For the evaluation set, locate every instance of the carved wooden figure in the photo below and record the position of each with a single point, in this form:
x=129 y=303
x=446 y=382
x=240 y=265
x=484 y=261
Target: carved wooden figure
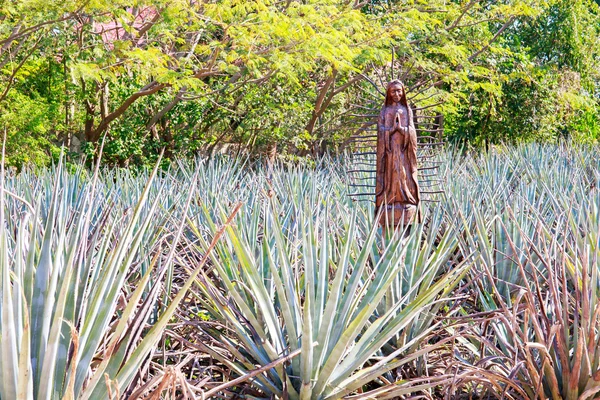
x=397 y=187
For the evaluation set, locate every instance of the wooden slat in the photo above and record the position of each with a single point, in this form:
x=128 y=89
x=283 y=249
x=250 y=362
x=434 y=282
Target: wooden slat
x=362 y=194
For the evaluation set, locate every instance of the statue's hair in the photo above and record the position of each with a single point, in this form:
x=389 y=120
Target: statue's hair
x=388 y=98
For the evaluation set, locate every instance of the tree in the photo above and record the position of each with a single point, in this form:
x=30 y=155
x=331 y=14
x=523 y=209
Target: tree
x=246 y=75
x=548 y=80
x=197 y=50
x=30 y=94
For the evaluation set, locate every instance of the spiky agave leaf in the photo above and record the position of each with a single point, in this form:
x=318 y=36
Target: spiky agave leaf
x=306 y=286
x=536 y=270
x=67 y=267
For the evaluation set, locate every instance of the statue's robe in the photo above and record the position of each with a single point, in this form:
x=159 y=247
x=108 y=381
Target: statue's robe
x=397 y=186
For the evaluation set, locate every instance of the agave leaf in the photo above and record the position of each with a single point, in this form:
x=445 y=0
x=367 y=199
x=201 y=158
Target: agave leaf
x=30 y=268
x=260 y=296
x=130 y=367
x=45 y=283
x=25 y=387
x=388 y=363
x=8 y=333
x=333 y=300
x=50 y=361
x=361 y=316
x=8 y=338
x=39 y=336
x=306 y=361
x=387 y=327
x=118 y=333
x=71 y=305
x=97 y=317
x=349 y=301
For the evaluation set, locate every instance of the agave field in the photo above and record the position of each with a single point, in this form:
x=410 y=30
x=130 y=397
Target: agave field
x=222 y=279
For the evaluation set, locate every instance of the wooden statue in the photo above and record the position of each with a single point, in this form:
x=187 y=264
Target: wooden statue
x=397 y=188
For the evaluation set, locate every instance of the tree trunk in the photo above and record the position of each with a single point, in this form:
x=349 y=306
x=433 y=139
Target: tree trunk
x=319 y=107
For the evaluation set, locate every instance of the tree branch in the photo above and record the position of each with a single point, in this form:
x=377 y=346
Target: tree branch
x=146 y=27
x=12 y=53
x=317 y=111
x=465 y=10
x=15 y=31
x=360 y=4
x=147 y=90
x=478 y=22
x=37 y=27
x=484 y=48
x=340 y=89
x=351 y=82
x=14 y=73
x=166 y=108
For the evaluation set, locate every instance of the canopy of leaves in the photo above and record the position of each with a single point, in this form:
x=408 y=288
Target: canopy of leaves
x=250 y=76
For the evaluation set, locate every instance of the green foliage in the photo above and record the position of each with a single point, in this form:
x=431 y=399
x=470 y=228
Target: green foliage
x=26 y=125
x=313 y=283
x=248 y=75
x=78 y=279
x=496 y=294
x=530 y=218
x=548 y=81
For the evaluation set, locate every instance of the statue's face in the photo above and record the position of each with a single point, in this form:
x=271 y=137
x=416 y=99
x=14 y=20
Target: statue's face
x=396 y=92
